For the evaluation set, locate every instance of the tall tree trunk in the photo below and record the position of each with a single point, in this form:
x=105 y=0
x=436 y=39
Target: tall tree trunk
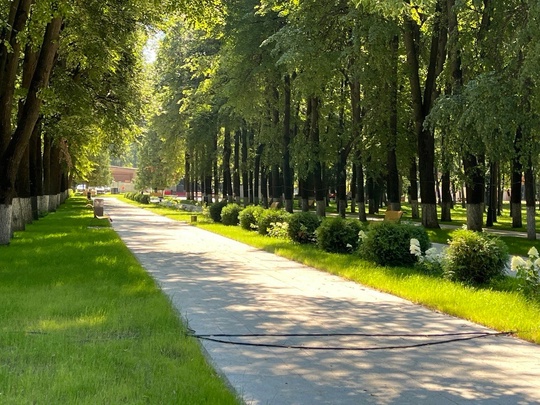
x=530 y=200
x=55 y=175
x=288 y=186
x=422 y=107
x=475 y=192
x=307 y=192
x=277 y=185
x=10 y=49
x=446 y=203
x=257 y=173
x=215 y=170
x=356 y=111
x=227 y=150
x=413 y=189
x=352 y=189
x=244 y=166
x=236 y=168
x=392 y=176
x=187 y=176
x=341 y=195
x=12 y=154
x=360 y=192
x=264 y=186
x=372 y=204
x=320 y=190
x=517 y=176
x=491 y=216
x=47 y=189
x=36 y=170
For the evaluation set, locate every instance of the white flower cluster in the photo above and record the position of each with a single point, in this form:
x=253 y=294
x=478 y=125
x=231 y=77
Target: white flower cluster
x=430 y=256
x=531 y=264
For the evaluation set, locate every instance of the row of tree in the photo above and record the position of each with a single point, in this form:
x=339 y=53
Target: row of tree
x=70 y=88
x=388 y=95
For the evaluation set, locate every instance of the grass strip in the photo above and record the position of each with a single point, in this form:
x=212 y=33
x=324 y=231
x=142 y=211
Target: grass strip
x=81 y=322
x=497 y=306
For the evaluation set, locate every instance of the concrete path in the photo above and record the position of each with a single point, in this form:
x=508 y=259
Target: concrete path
x=223 y=287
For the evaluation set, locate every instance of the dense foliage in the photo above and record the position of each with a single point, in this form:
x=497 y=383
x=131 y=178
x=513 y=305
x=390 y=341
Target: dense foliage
x=475 y=257
x=388 y=243
x=338 y=235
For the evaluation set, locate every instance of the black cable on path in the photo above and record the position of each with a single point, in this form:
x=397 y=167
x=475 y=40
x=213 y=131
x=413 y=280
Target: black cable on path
x=466 y=336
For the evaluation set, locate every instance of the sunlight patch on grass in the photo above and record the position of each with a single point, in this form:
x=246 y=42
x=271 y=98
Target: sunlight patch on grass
x=48 y=325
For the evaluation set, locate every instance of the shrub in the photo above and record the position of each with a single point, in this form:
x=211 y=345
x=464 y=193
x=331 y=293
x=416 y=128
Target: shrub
x=268 y=217
x=229 y=214
x=214 y=211
x=138 y=197
x=249 y=217
x=144 y=199
x=302 y=227
x=338 y=235
x=388 y=243
x=474 y=257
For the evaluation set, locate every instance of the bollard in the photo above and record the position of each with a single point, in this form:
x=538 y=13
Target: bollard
x=194 y=218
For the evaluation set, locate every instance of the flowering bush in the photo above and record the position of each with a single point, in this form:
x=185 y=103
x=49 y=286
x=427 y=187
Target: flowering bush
x=278 y=230
x=429 y=262
x=528 y=273
x=269 y=216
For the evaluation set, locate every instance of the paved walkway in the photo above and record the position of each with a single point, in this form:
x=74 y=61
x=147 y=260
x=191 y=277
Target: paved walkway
x=223 y=287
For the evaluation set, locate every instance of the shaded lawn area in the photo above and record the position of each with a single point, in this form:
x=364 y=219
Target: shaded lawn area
x=81 y=322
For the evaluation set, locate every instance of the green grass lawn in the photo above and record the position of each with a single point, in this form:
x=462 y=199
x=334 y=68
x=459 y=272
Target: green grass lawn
x=82 y=323
x=498 y=305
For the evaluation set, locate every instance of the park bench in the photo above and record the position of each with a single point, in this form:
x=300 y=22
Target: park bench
x=97 y=206
x=393 y=216
x=275 y=205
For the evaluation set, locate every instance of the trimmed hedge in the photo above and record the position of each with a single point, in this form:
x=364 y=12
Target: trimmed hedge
x=388 y=243
x=270 y=216
x=215 y=210
x=249 y=217
x=475 y=257
x=302 y=227
x=338 y=235
x=138 y=197
x=229 y=214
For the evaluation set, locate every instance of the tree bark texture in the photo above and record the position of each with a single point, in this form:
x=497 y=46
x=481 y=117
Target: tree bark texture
x=422 y=106
x=236 y=168
x=288 y=186
x=530 y=201
x=392 y=176
x=475 y=192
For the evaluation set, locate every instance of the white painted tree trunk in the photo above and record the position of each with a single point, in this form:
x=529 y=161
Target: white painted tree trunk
x=26 y=209
x=17 y=220
x=6 y=215
x=53 y=202
x=43 y=205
